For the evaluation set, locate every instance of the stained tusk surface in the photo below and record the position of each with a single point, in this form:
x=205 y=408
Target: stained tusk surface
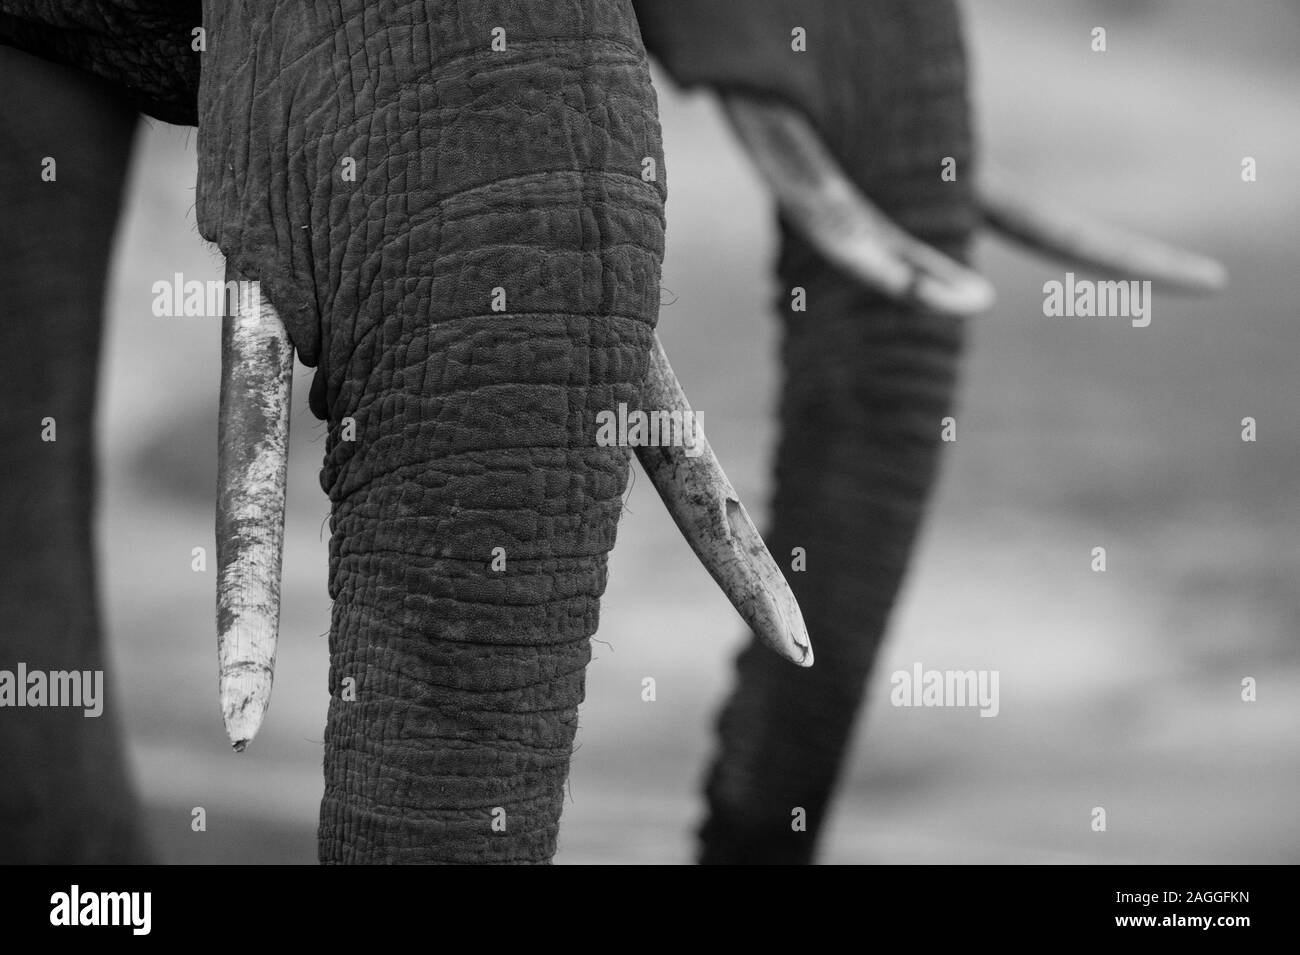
x=832 y=214
x=710 y=516
x=1049 y=227
x=252 y=461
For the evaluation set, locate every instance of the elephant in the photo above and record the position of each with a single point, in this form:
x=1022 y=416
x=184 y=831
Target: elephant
x=65 y=795
x=512 y=154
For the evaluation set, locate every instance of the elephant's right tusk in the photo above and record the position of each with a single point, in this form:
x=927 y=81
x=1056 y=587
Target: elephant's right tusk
x=833 y=215
x=710 y=516
x=252 y=462
x=1040 y=224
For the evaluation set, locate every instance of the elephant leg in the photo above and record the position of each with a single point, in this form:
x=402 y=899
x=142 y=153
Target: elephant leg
x=861 y=406
x=65 y=795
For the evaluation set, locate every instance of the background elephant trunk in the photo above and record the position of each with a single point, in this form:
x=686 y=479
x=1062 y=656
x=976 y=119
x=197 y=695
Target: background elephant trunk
x=878 y=380
x=867 y=383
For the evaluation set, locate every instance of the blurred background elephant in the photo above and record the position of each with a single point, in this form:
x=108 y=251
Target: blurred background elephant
x=66 y=796
x=864 y=386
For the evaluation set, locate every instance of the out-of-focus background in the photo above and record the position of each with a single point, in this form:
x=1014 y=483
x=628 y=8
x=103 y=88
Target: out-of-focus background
x=1119 y=690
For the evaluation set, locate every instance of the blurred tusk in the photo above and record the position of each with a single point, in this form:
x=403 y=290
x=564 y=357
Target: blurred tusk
x=830 y=212
x=1041 y=224
x=710 y=516
x=252 y=460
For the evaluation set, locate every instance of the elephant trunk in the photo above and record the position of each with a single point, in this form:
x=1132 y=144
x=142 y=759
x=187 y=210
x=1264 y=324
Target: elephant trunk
x=445 y=205
x=471 y=521
x=867 y=384
x=878 y=380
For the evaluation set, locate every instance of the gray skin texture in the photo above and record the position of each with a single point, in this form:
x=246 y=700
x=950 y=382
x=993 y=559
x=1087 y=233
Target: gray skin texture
x=521 y=170
x=480 y=170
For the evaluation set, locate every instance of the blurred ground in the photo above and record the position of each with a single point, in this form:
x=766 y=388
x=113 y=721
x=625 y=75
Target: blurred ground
x=1118 y=689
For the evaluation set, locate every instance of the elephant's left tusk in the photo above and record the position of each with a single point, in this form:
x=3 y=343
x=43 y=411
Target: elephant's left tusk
x=1040 y=224
x=710 y=516
x=252 y=461
x=833 y=215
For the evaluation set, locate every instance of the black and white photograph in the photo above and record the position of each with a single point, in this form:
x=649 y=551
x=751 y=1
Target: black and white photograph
x=651 y=432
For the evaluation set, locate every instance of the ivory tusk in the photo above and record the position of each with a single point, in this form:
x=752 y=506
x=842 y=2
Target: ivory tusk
x=252 y=462
x=833 y=215
x=1046 y=226
x=710 y=516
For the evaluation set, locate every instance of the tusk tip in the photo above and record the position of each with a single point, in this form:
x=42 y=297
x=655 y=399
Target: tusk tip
x=803 y=652
x=805 y=656
x=1053 y=229
x=793 y=646
x=245 y=697
x=791 y=639
x=1190 y=274
x=772 y=610
x=826 y=207
x=241 y=733
x=965 y=299
x=1214 y=277
x=786 y=637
